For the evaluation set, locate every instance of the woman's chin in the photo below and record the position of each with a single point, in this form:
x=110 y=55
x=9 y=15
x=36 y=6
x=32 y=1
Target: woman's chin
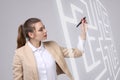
x=45 y=39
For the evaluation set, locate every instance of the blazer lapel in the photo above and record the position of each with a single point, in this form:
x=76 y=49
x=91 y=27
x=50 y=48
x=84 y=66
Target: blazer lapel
x=54 y=50
x=51 y=50
x=58 y=56
x=31 y=58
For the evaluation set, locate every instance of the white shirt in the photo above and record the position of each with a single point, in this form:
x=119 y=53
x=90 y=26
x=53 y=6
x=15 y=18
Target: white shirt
x=81 y=44
x=45 y=62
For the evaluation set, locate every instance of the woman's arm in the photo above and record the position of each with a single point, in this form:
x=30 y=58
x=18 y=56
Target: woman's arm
x=17 y=68
x=77 y=52
x=71 y=53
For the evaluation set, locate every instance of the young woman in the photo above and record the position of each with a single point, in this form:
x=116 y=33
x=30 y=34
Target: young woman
x=38 y=60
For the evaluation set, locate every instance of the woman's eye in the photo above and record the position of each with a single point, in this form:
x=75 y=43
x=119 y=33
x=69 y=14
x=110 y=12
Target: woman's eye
x=41 y=30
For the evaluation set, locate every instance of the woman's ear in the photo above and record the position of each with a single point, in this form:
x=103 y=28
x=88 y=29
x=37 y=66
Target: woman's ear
x=31 y=34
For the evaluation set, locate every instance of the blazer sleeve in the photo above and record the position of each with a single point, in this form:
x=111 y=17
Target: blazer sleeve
x=17 y=68
x=74 y=52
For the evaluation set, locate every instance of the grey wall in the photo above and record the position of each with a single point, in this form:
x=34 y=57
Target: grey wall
x=101 y=58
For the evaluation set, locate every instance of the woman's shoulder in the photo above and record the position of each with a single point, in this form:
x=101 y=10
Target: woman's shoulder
x=19 y=50
x=50 y=42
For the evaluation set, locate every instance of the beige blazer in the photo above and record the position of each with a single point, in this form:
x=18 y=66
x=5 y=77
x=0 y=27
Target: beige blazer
x=24 y=64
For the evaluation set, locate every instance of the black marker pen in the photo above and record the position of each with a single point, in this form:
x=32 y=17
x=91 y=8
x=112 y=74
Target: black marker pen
x=81 y=21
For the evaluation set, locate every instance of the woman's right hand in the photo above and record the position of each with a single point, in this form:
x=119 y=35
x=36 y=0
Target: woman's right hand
x=83 y=28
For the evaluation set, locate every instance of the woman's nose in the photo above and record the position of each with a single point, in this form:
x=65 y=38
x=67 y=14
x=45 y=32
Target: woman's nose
x=45 y=30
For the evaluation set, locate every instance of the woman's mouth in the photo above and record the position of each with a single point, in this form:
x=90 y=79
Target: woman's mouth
x=45 y=35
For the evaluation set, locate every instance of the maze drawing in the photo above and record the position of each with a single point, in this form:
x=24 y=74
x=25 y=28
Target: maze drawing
x=100 y=51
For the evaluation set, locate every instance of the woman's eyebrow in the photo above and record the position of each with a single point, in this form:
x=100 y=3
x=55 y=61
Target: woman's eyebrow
x=41 y=27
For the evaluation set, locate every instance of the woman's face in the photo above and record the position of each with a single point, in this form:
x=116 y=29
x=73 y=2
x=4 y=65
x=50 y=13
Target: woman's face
x=40 y=32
